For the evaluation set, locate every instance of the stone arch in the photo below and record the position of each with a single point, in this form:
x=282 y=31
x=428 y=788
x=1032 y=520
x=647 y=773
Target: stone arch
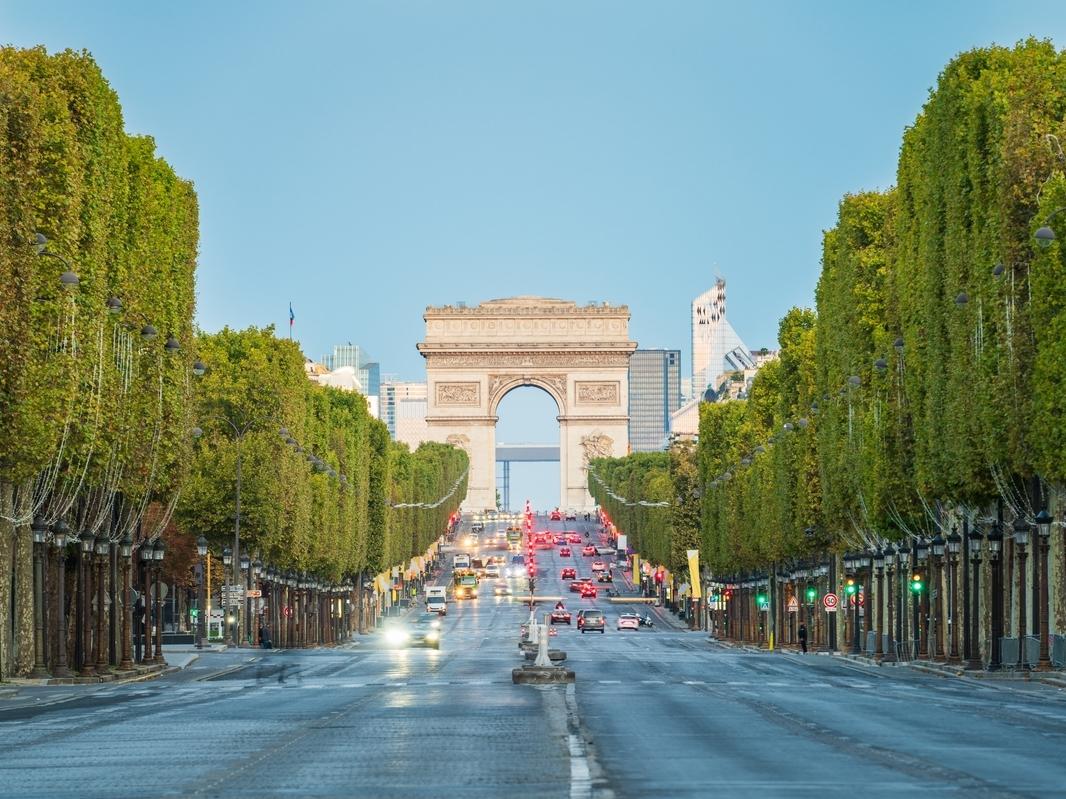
x=579 y=355
x=502 y=385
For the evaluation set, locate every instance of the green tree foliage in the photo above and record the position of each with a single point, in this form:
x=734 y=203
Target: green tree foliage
x=296 y=510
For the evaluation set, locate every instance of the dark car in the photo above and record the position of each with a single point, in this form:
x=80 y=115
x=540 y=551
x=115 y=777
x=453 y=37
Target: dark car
x=560 y=616
x=605 y=577
x=591 y=619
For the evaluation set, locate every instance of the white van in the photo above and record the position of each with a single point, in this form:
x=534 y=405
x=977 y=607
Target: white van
x=461 y=561
x=437 y=600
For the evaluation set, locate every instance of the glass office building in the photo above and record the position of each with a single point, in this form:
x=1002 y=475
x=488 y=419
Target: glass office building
x=716 y=347
x=367 y=371
x=654 y=393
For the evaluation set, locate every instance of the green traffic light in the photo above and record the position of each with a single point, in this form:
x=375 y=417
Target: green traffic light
x=812 y=594
x=760 y=598
x=851 y=587
x=916 y=584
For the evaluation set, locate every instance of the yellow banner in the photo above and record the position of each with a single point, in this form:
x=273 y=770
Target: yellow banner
x=695 y=590
x=636 y=570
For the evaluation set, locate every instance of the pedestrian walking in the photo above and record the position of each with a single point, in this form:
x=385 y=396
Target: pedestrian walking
x=803 y=638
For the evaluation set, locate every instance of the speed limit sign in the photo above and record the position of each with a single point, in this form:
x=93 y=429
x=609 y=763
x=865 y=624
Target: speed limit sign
x=830 y=602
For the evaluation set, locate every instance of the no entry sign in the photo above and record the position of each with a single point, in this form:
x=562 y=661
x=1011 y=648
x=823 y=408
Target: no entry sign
x=830 y=602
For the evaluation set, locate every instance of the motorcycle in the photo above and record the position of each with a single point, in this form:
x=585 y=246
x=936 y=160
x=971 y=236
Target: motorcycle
x=645 y=621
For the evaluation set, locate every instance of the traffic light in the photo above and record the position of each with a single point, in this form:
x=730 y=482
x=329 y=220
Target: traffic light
x=532 y=584
x=194 y=613
x=760 y=599
x=851 y=588
x=812 y=594
x=917 y=584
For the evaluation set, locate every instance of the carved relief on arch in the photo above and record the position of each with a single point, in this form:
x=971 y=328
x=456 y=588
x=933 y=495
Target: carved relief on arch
x=597 y=445
x=459 y=440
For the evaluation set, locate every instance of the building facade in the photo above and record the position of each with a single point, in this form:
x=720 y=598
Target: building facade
x=654 y=394
x=354 y=356
x=399 y=399
x=716 y=347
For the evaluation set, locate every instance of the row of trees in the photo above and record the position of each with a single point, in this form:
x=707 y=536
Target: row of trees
x=926 y=390
x=118 y=422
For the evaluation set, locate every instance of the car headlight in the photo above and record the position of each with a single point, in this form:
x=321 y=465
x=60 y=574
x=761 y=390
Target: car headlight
x=396 y=636
x=432 y=635
x=435 y=623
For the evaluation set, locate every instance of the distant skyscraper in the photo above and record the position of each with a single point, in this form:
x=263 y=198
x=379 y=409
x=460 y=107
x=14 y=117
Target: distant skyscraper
x=368 y=372
x=402 y=400
x=716 y=347
x=654 y=393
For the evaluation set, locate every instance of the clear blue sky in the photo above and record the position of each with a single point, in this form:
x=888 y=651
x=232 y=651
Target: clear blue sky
x=366 y=159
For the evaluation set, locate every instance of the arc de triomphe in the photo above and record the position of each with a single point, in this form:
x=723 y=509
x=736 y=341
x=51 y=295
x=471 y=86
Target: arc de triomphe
x=579 y=355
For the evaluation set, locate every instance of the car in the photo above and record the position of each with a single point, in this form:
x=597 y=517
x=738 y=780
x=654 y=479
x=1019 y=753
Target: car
x=422 y=630
x=588 y=551
x=559 y=539
x=573 y=538
x=576 y=585
x=605 y=577
x=491 y=570
x=629 y=621
x=591 y=619
x=501 y=589
x=569 y=573
x=560 y=615
x=438 y=605
x=564 y=552
x=571 y=515
x=588 y=591
x=598 y=565
x=606 y=551
x=555 y=516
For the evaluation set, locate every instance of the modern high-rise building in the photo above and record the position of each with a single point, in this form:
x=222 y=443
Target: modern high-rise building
x=368 y=372
x=654 y=393
x=401 y=400
x=716 y=347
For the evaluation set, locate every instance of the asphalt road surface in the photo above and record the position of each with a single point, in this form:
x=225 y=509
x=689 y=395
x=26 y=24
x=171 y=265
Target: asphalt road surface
x=659 y=712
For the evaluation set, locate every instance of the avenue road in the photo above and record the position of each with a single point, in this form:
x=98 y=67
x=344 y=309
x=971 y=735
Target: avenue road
x=655 y=712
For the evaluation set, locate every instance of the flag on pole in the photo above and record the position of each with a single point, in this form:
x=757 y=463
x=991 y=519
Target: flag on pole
x=292 y=318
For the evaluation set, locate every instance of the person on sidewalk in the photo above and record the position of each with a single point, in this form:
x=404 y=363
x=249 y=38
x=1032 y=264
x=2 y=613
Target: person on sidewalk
x=803 y=638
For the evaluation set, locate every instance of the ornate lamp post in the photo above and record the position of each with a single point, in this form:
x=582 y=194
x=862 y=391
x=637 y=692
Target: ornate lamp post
x=903 y=555
x=126 y=551
x=889 y=635
x=245 y=580
x=257 y=570
x=1021 y=541
x=84 y=650
x=1043 y=522
x=954 y=546
x=227 y=559
x=146 y=552
x=157 y=556
x=60 y=532
x=39 y=529
x=101 y=548
x=921 y=611
x=878 y=605
x=937 y=546
x=201 y=598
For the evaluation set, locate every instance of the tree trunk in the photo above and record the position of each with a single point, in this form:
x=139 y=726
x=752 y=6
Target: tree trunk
x=23 y=599
x=7 y=533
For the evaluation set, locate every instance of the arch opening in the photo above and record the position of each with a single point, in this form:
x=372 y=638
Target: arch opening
x=527 y=447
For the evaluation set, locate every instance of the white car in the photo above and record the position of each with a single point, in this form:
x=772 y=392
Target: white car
x=598 y=565
x=491 y=570
x=629 y=621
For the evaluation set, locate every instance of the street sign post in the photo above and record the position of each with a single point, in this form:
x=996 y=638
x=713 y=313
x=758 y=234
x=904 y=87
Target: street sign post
x=830 y=601
x=253 y=593
x=793 y=605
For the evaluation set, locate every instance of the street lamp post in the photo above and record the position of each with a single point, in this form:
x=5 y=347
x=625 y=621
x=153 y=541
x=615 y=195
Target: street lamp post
x=1044 y=521
x=227 y=559
x=86 y=668
x=903 y=554
x=245 y=581
x=954 y=545
x=126 y=550
x=157 y=556
x=921 y=551
x=995 y=550
x=102 y=547
x=201 y=599
x=879 y=618
x=936 y=641
x=971 y=642
x=890 y=605
x=60 y=532
x=1021 y=541
x=39 y=529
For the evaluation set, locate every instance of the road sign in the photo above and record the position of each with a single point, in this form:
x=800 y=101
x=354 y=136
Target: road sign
x=830 y=602
x=253 y=593
x=793 y=605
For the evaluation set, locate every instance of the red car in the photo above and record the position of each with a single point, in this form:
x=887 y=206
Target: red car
x=569 y=573
x=588 y=551
x=555 y=516
x=573 y=538
x=577 y=584
x=564 y=552
x=560 y=615
x=588 y=591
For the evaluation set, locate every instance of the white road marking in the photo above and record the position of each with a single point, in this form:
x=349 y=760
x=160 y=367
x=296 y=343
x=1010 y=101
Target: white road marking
x=698 y=682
